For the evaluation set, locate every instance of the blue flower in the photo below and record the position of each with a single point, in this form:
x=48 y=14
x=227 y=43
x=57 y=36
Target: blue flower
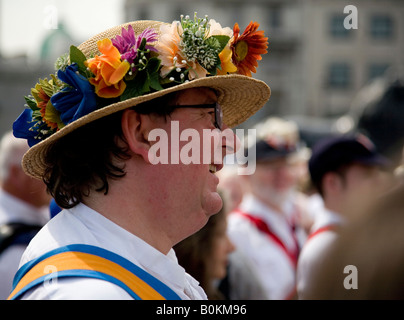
x=22 y=128
x=76 y=100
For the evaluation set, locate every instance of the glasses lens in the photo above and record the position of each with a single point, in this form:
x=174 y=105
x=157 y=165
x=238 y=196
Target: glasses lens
x=218 y=112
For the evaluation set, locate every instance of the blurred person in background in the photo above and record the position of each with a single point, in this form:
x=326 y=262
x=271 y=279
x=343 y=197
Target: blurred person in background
x=204 y=255
x=367 y=259
x=210 y=257
x=348 y=173
x=378 y=108
x=399 y=170
x=232 y=186
x=241 y=281
x=23 y=208
x=266 y=226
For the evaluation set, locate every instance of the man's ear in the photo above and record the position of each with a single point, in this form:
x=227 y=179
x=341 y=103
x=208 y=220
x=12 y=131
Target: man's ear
x=332 y=182
x=136 y=128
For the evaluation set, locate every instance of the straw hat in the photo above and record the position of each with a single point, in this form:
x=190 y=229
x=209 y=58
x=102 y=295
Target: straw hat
x=240 y=96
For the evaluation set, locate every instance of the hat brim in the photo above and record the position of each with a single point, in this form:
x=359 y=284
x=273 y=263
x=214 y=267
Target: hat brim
x=374 y=160
x=239 y=96
x=265 y=152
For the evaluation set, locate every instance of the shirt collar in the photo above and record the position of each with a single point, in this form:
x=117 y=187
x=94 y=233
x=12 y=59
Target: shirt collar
x=327 y=217
x=115 y=238
x=255 y=207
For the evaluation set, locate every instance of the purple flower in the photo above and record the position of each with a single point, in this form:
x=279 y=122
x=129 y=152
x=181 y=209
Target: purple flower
x=127 y=43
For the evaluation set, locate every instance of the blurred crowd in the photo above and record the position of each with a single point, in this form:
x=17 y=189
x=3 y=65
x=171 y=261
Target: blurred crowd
x=285 y=232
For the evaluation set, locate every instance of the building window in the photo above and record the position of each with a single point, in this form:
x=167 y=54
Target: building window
x=339 y=75
x=275 y=17
x=377 y=70
x=337 y=29
x=381 y=26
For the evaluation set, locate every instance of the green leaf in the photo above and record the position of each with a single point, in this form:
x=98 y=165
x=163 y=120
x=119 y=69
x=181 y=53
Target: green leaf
x=78 y=57
x=212 y=71
x=146 y=83
x=137 y=87
x=218 y=42
x=142 y=44
x=46 y=86
x=155 y=81
x=31 y=103
x=153 y=65
x=36 y=115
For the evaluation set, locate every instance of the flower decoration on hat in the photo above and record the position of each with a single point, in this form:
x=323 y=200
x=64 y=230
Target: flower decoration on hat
x=248 y=47
x=74 y=100
x=130 y=65
x=108 y=70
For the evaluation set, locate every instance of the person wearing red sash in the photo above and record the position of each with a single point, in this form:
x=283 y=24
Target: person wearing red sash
x=265 y=226
x=348 y=173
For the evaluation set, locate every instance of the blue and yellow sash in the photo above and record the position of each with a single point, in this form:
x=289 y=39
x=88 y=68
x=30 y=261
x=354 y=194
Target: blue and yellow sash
x=79 y=260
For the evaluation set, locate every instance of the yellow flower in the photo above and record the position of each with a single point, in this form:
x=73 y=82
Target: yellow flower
x=226 y=62
x=52 y=117
x=108 y=69
x=42 y=93
x=226 y=54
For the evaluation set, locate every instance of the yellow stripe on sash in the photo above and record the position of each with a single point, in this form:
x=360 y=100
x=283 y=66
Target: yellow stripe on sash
x=72 y=260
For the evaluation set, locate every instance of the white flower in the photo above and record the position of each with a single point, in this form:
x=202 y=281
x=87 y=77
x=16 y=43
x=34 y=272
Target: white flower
x=217 y=30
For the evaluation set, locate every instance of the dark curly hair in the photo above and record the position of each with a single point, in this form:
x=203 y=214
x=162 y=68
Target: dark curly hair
x=88 y=157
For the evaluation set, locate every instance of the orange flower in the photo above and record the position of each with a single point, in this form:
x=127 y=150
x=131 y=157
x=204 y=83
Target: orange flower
x=169 y=48
x=109 y=70
x=248 y=48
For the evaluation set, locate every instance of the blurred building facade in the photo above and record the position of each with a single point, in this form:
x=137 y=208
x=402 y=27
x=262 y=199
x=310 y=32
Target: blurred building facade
x=19 y=74
x=315 y=66
x=339 y=62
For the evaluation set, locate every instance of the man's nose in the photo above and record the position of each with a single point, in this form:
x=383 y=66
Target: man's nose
x=230 y=141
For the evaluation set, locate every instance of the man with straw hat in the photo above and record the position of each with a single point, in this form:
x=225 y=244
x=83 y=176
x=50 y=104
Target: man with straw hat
x=92 y=131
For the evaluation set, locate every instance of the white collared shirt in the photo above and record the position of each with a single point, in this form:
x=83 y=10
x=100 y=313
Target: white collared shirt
x=82 y=225
x=273 y=266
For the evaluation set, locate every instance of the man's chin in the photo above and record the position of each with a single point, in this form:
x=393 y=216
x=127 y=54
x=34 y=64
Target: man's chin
x=215 y=204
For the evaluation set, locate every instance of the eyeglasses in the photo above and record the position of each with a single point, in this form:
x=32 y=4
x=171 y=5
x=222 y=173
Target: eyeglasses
x=218 y=112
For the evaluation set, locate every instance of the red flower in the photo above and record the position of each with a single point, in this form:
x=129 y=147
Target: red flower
x=248 y=48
